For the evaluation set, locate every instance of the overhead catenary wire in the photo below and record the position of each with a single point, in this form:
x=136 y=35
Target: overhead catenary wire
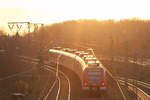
x=124 y=97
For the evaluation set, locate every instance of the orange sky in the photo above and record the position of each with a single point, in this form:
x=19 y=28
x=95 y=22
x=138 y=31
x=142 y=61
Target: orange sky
x=49 y=11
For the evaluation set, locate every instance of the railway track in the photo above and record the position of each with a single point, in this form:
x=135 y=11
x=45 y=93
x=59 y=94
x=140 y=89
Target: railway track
x=50 y=85
x=115 y=82
x=144 y=95
x=110 y=74
x=59 y=82
x=51 y=89
x=54 y=90
x=146 y=85
x=63 y=92
x=140 y=93
x=139 y=88
x=143 y=87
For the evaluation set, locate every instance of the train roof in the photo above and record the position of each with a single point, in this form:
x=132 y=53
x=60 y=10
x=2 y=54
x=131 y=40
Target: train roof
x=71 y=55
x=57 y=48
x=78 y=58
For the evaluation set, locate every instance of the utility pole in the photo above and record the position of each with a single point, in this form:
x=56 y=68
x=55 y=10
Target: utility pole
x=126 y=51
x=18 y=28
x=111 y=52
x=58 y=65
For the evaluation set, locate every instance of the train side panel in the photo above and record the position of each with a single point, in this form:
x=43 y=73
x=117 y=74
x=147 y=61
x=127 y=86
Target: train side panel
x=70 y=62
x=78 y=65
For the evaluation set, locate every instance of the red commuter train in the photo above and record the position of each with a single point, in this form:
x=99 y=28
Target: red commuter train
x=90 y=71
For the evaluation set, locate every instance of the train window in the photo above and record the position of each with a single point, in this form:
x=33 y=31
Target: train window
x=94 y=77
x=91 y=63
x=93 y=73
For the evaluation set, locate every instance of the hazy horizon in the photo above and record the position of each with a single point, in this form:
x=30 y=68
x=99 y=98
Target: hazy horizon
x=48 y=12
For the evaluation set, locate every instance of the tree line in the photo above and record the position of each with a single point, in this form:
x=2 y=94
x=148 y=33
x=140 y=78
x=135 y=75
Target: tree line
x=128 y=37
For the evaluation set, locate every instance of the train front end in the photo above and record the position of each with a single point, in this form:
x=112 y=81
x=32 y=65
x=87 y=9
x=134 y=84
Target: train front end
x=94 y=78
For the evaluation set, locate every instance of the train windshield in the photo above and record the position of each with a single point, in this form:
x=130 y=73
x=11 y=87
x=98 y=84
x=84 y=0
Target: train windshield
x=93 y=63
x=94 y=77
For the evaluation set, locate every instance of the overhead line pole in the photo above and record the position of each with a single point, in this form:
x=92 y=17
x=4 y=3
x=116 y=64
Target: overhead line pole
x=58 y=64
x=18 y=25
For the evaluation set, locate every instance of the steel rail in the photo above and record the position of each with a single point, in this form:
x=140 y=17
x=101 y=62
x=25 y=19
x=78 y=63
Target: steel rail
x=144 y=84
x=17 y=74
x=34 y=61
x=49 y=69
x=69 y=86
x=52 y=68
x=50 y=90
x=145 y=95
x=57 y=97
x=124 y=97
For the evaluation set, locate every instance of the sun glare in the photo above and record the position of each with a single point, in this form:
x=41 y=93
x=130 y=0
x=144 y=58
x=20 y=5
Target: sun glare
x=49 y=11
x=99 y=9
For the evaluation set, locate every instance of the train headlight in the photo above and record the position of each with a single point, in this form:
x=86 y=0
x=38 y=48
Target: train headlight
x=103 y=84
x=85 y=84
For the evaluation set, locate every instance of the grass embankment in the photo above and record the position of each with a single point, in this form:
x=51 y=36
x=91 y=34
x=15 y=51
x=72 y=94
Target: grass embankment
x=129 y=70
x=30 y=84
